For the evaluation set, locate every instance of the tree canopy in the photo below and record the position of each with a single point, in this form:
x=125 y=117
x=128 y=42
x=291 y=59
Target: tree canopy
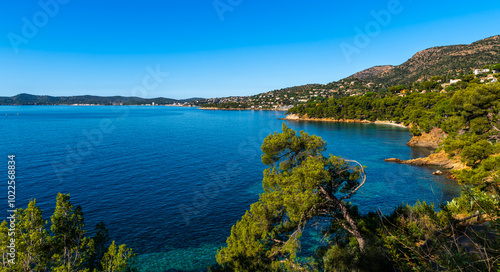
x=64 y=247
x=300 y=185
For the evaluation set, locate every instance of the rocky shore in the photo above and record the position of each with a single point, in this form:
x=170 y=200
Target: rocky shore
x=429 y=140
x=295 y=117
x=436 y=159
x=432 y=140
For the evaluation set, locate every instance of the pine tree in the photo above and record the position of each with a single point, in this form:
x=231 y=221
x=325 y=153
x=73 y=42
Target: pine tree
x=100 y=240
x=31 y=241
x=32 y=238
x=300 y=185
x=65 y=248
x=70 y=247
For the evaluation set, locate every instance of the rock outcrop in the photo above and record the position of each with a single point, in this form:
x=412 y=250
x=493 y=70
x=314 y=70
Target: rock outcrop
x=438 y=173
x=292 y=117
x=430 y=140
x=436 y=159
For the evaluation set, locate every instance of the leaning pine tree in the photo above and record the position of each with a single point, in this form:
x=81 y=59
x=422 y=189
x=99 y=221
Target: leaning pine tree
x=300 y=186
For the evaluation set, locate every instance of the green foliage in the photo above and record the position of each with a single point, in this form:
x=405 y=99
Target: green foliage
x=421 y=239
x=349 y=258
x=453 y=124
x=31 y=241
x=474 y=153
x=451 y=88
x=117 y=259
x=415 y=108
x=415 y=131
x=461 y=85
x=65 y=248
x=101 y=239
x=397 y=88
x=428 y=85
x=484 y=176
x=468 y=78
x=68 y=242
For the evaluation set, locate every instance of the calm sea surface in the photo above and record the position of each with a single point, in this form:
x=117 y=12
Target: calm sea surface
x=170 y=182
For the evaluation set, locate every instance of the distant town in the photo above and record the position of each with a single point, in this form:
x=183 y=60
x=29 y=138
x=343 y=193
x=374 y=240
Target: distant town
x=287 y=98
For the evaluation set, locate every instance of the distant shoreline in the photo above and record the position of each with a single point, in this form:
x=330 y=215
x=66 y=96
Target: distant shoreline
x=94 y=105
x=237 y=109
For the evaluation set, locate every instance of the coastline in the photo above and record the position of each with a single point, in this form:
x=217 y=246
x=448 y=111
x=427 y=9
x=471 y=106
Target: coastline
x=432 y=139
x=435 y=159
x=295 y=117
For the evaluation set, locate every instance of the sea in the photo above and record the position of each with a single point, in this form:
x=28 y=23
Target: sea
x=171 y=181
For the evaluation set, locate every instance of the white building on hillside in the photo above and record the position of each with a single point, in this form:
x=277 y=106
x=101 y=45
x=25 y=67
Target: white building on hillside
x=477 y=71
x=480 y=71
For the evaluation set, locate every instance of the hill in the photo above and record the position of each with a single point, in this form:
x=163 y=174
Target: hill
x=448 y=62
x=28 y=99
x=442 y=60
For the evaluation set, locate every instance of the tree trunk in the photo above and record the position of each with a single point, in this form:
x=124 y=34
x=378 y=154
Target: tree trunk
x=353 y=227
x=354 y=230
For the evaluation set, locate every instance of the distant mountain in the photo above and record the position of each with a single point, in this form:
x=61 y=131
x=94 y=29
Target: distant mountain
x=28 y=99
x=441 y=60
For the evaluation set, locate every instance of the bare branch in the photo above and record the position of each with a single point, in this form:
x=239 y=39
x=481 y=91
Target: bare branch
x=360 y=184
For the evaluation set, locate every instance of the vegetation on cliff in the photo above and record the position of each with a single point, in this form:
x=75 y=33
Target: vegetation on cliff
x=470 y=117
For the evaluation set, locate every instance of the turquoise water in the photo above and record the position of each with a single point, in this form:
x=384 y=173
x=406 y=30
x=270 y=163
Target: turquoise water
x=171 y=181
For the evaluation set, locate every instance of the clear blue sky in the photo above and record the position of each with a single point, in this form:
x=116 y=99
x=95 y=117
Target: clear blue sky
x=103 y=47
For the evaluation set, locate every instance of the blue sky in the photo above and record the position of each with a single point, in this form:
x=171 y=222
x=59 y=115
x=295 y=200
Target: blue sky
x=74 y=47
